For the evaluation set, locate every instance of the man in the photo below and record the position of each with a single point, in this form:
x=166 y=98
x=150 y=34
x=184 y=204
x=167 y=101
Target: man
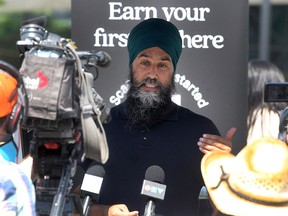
x=17 y=194
x=149 y=129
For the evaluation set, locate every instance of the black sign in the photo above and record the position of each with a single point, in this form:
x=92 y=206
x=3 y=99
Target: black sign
x=211 y=76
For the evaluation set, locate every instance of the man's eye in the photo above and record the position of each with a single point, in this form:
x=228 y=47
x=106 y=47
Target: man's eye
x=145 y=63
x=163 y=65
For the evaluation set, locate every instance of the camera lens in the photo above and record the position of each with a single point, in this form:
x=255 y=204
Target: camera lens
x=32 y=31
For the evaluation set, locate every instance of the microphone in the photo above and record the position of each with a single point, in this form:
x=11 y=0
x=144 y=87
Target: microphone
x=104 y=58
x=153 y=188
x=93 y=58
x=91 y=186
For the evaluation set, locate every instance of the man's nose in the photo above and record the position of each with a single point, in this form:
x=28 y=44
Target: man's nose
x=153 y=72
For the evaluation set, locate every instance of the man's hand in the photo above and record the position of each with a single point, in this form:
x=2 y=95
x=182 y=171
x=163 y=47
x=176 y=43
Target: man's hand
x=121 y=210
x=209 y=142
x=113 y=210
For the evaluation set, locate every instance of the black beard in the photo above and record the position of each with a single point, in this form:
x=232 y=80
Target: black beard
x=147 y=108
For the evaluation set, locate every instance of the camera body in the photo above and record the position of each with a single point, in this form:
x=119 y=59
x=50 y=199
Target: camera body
x=277 y=92
x=47 y=60
x=64 y=110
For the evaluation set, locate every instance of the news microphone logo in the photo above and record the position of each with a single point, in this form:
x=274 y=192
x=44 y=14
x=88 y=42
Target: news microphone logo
x=153 y=189
x=91 y=186
x=92 y=181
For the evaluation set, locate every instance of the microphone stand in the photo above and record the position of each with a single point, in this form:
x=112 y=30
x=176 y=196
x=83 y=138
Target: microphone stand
x=149 y=208
x=86 y=205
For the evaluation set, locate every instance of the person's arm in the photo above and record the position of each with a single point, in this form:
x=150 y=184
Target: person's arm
x=98 y=210
x=26 y=165
x=114 y=210
x=210 y=142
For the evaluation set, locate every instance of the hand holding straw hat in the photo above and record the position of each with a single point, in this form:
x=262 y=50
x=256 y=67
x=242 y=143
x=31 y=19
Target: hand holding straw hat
x=254 y=182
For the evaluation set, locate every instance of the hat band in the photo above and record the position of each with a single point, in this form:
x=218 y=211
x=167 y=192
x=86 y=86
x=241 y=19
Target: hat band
x=225 y=178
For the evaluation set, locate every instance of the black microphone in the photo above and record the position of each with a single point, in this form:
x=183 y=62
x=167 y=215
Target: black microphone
x=91 y=186
x=93 y=58
x=153 y=188
x=104 y=58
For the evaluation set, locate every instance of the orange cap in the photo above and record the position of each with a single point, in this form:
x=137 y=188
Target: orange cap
x=8 y=93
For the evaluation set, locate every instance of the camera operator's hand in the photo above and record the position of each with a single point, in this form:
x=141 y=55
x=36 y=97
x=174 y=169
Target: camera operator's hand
x=209 y=142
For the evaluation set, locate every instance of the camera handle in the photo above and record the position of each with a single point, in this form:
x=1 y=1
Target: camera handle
x=60 y=199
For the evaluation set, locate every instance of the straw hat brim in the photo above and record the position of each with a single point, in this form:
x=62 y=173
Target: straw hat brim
x=222 y=197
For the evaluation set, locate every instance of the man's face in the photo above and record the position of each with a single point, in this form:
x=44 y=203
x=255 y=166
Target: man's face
x=152 y=82
x=153 y=64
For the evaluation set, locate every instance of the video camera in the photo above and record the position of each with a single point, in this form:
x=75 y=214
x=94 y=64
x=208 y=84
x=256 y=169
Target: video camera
x=64 y=110
x=277 y=92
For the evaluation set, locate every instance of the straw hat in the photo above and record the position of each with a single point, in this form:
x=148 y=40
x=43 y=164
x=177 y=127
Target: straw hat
x=255 y=182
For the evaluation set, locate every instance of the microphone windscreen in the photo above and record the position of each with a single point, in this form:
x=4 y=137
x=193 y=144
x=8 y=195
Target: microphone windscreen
x=153 y=187
x=104 y=59
x=92 y=181
x=155 y=173
x=96 y=170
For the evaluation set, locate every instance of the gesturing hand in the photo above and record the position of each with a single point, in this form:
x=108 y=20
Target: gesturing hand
x=210 y=142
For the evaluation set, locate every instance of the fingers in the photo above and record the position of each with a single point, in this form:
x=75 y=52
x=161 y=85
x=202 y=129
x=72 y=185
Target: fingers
x=210 y=142
x=207 y=147
x=133 y=213
x=216 y=141
x=203 y=150
x=230 y=133
x=121 y=210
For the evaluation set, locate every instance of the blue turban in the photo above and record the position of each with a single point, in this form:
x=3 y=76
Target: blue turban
x=155 y=32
